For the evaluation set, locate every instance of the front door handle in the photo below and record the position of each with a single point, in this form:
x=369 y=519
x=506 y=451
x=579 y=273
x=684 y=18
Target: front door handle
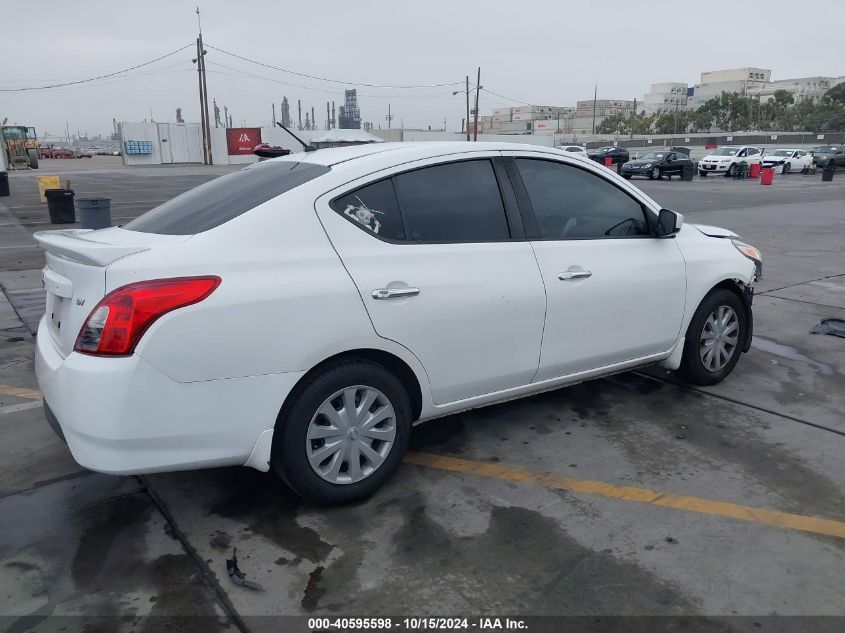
x=395 y=293
x=574 y=274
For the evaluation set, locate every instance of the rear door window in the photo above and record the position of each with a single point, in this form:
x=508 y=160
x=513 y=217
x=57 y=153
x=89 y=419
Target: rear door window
x=224 y=198
x=455 y=202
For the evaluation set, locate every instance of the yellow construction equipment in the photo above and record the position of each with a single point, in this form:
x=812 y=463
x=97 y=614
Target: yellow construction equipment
x=21 y=145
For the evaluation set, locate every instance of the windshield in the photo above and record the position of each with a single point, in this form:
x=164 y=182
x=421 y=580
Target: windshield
x=726 y=151
x=653 y=156
x=782 y=152
x=218 y=201
x=825 y=149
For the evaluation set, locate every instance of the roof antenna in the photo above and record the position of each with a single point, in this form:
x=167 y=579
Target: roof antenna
x=305 y=146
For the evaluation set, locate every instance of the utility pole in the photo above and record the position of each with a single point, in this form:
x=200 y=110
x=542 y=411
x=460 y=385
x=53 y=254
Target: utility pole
x=202 y=111
x=206 y=126
x=477 y=90
x=389 y=117
x=334 y=121
x=299 y=111
x=595 y=96
x=274 y=114
x=328 y=117
x=313 y=119
x=467 y=90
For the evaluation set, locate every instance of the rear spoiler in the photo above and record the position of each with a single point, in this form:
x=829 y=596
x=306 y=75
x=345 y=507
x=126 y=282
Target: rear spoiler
x=73 y=245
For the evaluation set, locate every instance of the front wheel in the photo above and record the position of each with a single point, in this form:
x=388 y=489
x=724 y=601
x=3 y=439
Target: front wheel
x=786 y=168
x=344 y=434
x=703 y=174
x=714 y=339
x=654 y=174
x=731 y=171
x=33 y=158
x=626 y=176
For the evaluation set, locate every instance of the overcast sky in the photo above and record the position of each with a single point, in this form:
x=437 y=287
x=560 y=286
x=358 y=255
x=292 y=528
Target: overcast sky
x=542 y=52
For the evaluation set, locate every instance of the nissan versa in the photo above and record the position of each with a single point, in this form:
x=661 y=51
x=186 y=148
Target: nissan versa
x=303 y=313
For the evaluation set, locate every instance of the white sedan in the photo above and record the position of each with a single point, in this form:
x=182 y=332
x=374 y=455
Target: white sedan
x=575 y=150
x=303 y=313
x=727 y=160
x=787 y=160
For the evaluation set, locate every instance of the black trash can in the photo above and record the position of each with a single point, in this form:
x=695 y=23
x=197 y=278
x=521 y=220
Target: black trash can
x=4 y=183
x=60 y=205
x=688 y=173
x=827 y=174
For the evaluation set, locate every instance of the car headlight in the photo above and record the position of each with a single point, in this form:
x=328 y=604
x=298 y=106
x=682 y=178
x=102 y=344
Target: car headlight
x=751 y=253
x=647 y=165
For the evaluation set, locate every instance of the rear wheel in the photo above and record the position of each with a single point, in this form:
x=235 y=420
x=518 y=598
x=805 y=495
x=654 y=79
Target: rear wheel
x=33 y=158
x=344 y=434
x=714 y=339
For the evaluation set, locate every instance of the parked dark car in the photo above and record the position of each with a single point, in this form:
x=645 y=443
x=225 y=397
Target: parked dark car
x=657 y=164
x=825 y=155
x=618 y=154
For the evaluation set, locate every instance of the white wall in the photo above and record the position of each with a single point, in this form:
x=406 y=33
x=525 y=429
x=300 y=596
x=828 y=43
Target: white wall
x=184 y=143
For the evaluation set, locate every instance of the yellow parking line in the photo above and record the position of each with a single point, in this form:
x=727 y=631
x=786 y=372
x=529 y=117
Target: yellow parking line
x=20 y=392
x=762 y=516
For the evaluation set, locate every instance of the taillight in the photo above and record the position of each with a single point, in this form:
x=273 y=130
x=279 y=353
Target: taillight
x=119 y=320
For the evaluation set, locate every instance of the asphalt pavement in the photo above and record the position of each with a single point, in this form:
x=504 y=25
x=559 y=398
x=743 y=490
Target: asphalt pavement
x=626 y=496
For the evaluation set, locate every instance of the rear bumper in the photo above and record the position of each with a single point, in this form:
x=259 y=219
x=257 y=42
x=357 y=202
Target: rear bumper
x=124 y=416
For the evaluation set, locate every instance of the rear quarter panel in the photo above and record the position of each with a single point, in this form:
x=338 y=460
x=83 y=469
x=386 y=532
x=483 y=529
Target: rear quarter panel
x=285 y=302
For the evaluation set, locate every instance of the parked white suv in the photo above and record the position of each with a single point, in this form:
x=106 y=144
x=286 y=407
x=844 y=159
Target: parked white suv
x=302 y=313
x=726 y=160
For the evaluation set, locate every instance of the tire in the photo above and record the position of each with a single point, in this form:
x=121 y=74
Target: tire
x=291 y=446
x=654 y=173
x=33 y=158
x=694 y=369
x=703 y=174
x=731 y=171
x=786 y=168
x=626 y=176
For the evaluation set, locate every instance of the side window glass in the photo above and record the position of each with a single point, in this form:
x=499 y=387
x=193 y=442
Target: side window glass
x=455 y=202
x=741 y=154
x=374 y=208
x=572 y=203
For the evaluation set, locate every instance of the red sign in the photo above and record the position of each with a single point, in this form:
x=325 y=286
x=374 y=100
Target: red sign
x=242 y=140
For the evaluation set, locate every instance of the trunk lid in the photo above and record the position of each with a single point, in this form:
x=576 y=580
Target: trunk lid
x=75 y=274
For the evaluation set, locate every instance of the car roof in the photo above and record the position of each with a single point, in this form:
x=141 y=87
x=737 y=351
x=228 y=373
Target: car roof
x=405 y=152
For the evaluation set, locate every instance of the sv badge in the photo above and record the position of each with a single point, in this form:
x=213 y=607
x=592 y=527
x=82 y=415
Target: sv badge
x=80 y=302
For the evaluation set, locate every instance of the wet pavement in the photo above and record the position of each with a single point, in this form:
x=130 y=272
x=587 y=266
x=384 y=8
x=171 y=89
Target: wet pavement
x=630 y=495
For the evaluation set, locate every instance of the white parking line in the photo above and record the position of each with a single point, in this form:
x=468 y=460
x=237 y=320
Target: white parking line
x=24 y=406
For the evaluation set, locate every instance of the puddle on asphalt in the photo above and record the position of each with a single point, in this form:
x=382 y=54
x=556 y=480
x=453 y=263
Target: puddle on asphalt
x=785 y=351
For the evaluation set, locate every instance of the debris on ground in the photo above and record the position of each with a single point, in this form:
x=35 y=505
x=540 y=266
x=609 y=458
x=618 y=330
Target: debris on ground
x=237 y=576
x=834 y=327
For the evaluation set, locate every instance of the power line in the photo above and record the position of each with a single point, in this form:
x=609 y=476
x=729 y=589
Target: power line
x=90 y=79
x=236 y=72
x=508 y=98
x=336 y=81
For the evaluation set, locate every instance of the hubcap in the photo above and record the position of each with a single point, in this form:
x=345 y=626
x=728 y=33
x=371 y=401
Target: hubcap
x=351 y=434
x=719 y=338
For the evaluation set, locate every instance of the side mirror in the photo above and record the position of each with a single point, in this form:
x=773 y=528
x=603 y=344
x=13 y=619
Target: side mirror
x=668 y=223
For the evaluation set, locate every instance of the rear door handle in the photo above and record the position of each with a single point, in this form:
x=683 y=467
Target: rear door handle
x=395 y=293
x=574 y=274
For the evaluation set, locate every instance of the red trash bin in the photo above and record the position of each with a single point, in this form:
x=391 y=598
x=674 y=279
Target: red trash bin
x=754 y=170
x=608 y=161
x=768 y=176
